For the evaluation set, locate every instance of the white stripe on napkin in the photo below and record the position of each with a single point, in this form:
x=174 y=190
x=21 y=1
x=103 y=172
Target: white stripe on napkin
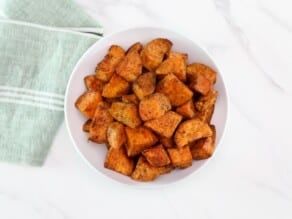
x=30 y=103
x=31 y=91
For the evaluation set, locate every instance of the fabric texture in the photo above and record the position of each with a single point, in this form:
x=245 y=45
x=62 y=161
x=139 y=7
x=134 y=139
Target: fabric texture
x=38 y=51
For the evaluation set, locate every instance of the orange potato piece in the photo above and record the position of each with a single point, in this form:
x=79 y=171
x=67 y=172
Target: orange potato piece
x=175 y=64
x=139 y=139
x=204 y=148
x=93 y=84
x=87 y=103
x=105 y=69
x=116 y=87
x=154 y=106
x=180 y=157
x=195 y=69
x=145 y=172
x=206 y=115
x=190 y=131
x=144 y=85
x=116 y=136
x=166 y=142
x=165 y=125
x=130 y=98
x=118 y=161
x=135 y=47
x=176 y=91
x=130 y=67
x=153 y=53
x=156 y=156
x=201 y=85
x=126 y=113
x=100 y=122
x=187 y=110
x=207 y=101
x=86 y=125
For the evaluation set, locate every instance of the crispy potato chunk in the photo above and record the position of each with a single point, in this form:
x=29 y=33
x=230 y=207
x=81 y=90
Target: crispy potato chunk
x=206 y=115
x=139 y=139
x=93 y=84
x=207 y=101
x=204 y=148
x=166 y=142
x=200 y=85
x=176 y=91
x=180 y=157
x=154 y=106
x=191 y=130
x=105 y=69
x=135 y=47
x=116 y=87
x=87 y=103
x=146 y=172
x=153 y=53
x=165 y=125
x=101 y=120
x=144 y=85
x=195 y=69
x=130 y=98
x=86 y=125
x=130 y=67
x=116 y=136
x=126 y=113
x=187 y=110
x=156 y=156
x=118 y=161
x=175 y=64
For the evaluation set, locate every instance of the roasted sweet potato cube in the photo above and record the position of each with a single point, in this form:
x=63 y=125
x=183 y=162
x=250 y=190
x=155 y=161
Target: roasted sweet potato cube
x=187 y=110
x=93 y=84
x=111 y=100
x=207 y=101
x=153 y=53
x=190 y=131
x=130 y=98
x=116 y=87
x=126 y=113
x=116 y=136
x=130 y=67
x=106 y=68
x=196 y=69
x=144 y=85
x=180 y=157
x=200 y=85
x=165 y=125
x=87 y=103
x=86 y=125
x=154 y=106
x=156 y=156
x=175 y=64
x=204 y=148
x=100 y=122
x=206 y=115
x=146 y=172
x=166 y=142
x=176 y=91
x=118 y=161
x=135 y=47
x=139 y=139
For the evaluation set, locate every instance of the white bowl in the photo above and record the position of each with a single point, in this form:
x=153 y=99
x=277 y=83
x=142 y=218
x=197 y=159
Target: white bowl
x=94 y=154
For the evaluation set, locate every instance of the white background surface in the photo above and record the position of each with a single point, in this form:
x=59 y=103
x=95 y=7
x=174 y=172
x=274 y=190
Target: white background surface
x=251 y=176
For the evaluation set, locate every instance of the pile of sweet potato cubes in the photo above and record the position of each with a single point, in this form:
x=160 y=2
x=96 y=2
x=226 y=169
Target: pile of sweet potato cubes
x=150 y=108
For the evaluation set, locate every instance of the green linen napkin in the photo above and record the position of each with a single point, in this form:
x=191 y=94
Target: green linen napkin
x=39 y=47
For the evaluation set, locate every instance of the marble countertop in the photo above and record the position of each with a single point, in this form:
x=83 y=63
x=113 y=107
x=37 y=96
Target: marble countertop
x=251 y=175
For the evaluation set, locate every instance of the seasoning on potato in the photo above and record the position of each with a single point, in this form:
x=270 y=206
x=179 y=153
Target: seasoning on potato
x=151 y=108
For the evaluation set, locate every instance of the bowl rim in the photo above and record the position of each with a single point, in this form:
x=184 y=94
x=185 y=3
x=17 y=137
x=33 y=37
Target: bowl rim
x=147 y=185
